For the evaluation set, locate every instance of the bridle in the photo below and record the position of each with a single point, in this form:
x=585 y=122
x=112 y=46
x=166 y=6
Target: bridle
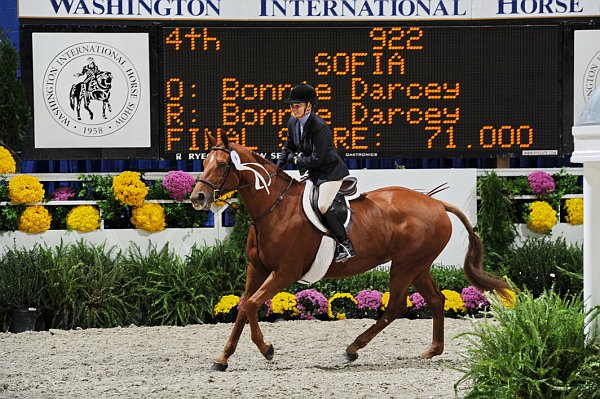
x=218 y=185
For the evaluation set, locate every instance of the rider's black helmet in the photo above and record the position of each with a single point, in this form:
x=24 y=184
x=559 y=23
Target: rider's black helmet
x=302 y=93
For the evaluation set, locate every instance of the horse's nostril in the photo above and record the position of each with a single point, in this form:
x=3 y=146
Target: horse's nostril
x=200 y=197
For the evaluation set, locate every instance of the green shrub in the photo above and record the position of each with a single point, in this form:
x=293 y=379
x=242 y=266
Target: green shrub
x=495 y=219
x=239 y=232
x=21 y=277
x=449 y=278
x=176 y=294
x=541 y=262
x=536 y=350
x=84 y=287
x=15 y=113
x=225 y=262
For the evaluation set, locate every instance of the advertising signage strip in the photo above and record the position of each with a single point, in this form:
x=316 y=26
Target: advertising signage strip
x=308 y=10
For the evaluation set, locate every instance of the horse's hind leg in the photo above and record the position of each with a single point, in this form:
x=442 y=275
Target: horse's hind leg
x=254 y=280
x=435 y=300
x=399 y=283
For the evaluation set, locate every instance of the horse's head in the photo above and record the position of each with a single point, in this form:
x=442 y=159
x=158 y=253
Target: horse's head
x=219 y=177
x=104 y=80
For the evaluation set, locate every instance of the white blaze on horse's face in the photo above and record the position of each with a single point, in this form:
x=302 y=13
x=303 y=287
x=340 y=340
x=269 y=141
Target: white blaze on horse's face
x=202 y=196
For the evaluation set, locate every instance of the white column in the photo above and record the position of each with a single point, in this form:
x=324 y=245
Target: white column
x=591 y=238
x=587 y=151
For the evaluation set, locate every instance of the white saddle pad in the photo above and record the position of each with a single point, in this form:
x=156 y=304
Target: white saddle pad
x=321 y=263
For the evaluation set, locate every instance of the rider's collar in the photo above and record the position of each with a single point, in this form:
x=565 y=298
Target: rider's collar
x=304 y=119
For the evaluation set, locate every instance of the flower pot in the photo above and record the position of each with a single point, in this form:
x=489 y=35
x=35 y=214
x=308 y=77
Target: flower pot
x=21 y=320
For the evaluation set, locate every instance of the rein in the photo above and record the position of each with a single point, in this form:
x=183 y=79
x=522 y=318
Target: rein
x=218 y=186
x=277 y=201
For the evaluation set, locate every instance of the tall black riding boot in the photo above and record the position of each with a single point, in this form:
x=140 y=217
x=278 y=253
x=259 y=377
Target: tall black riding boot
x=337 y=228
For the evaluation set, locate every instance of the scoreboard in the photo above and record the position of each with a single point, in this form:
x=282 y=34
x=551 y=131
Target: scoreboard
x=385 y=90
x=459 y=89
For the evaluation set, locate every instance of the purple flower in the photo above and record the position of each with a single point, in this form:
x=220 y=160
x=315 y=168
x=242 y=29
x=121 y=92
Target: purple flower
x=311 y=304
x=473 y=298
x=369 y=299
x=418 y=301
x=63 y=194
x=179 y=184
x=541 y=183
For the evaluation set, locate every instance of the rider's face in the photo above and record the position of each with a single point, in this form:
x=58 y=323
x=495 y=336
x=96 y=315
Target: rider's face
x=299 y=109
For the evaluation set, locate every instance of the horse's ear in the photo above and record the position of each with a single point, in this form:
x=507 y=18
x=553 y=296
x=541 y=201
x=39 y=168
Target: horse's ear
x=225 y=139
x=212 y=140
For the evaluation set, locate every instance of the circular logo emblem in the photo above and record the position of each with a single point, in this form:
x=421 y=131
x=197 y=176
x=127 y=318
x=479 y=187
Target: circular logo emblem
x=590 y=78
x=91 y=89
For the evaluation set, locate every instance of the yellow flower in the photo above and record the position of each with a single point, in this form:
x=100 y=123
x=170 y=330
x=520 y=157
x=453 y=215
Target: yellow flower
x=23 y=189
x=340 y=297
x=226 y=303
x=223 y=198
x=34 y=219
x=7 y=162
x=83 y=218
x=454 y=302
x=284 y=303
x=574 y=207
x=509 y=303
x=149 y=216
x=385 y=300
x=542 y=217
x=129 y=188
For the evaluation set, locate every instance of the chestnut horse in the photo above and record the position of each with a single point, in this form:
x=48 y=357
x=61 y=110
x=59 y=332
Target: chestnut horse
x=394 y=223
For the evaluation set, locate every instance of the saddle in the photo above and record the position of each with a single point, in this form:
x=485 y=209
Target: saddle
x=340 y=204
x=326 y=251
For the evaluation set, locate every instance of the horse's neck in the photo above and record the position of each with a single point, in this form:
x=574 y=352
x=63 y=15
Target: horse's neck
x=260 y=201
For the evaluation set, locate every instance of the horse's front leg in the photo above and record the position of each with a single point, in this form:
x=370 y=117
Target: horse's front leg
x=254 y=279
x=86 y=105
x=275 y=283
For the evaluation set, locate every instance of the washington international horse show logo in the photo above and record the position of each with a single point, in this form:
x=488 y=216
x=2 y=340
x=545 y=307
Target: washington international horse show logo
x=91 y=89
x=591 y=77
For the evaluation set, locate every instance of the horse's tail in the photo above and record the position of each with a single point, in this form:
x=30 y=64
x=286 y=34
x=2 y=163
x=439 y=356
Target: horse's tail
x=74 y=94
x=474 y=259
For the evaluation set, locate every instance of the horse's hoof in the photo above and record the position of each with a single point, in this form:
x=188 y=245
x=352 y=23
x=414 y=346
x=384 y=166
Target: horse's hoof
x=351 y=356
x=430 y=353
x=269 y=353
x=218 y=367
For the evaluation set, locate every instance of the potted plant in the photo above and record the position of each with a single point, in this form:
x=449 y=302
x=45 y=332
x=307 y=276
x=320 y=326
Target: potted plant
x=21 y=280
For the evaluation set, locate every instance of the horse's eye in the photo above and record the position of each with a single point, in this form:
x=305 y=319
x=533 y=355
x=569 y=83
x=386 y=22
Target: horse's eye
x=221 y=165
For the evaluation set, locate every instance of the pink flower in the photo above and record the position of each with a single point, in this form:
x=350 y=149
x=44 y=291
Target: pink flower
x=311 y=304
x=179 y=184
x=369 y=299
x=63 y=194
x=541 y=183
x=473 y=298
x=418 y=301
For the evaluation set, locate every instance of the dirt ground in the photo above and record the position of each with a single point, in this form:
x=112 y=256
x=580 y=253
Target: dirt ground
x=174 y=362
